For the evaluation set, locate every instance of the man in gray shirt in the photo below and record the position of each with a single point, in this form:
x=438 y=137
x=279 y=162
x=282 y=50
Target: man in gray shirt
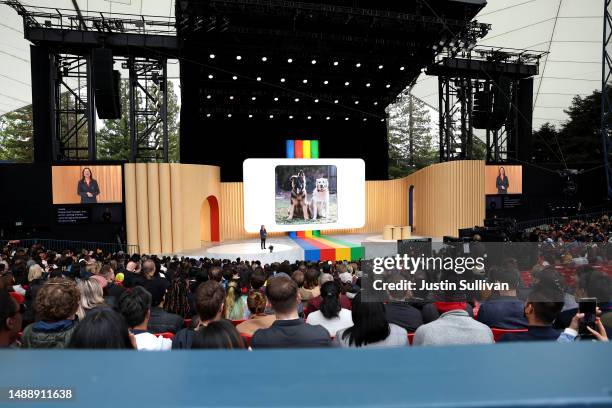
x=453 y=327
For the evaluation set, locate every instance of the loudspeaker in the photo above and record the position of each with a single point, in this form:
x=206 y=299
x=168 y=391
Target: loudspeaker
x=481 y=111
x=501 y=102
x=106 y=84
x=525 y=118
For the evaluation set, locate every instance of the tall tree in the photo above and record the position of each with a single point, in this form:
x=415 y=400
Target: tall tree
x=16 y=143
x=114 y=136
x=410 y=136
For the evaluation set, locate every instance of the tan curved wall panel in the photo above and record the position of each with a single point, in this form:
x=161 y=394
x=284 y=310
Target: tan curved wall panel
x=165 y=208
x=131 y=219
x=176 y=205
x=153 y=201
x=142 y=207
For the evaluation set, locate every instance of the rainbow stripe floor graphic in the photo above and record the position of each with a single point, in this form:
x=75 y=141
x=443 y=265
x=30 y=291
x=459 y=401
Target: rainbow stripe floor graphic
x=325 y=248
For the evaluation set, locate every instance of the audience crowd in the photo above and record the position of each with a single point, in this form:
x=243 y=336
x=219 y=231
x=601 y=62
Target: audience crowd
x=94 y=300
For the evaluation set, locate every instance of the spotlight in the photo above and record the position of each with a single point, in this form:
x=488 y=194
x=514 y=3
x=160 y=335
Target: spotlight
x=276 y=99
x=253 y=98
x=297 y=99
x=382 y=120
x=234 y=77
x=388 y=86
x=208 y=96
x=289 y=60
x=313 y=61
x=208 y=115
x=375 y=103
x=264 y=59
x=368 y=85
x=365 y=119
x=402 y=68
x=357 y=65
x=282 y=79
x=229 y=115
x=259 y=78
x=380 y=66
x=347 y=83
x=356 y=102
x=271 y=116
x=336 y=101
x=347 y=118
x=210 y=76
x=309 y=117
x=304 y=81
x=316 y=101
x=211 y=56
x=335 y=63
x=325 y=82
x=238 y=57
x=231 y=97
x=290 y=116
x=250 y=116
x=327 y=118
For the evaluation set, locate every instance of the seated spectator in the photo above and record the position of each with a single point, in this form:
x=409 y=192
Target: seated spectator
x=570 y=333
x=331 y=315
x=132 y=276
x=544 y=303
x=56 y=305
x=590 y=284
x=503 y=310
x=235 y=307
x=153 y=281
x=35 y=279
x=256 y=303
x=454 y=326
x=103 y=328
x=370 y=327
x=209 y=298
x=314 y=303
x=177 y=296
x=258 y=280
x=311 y=288
x=219 y=334
x=135 y=306
x=288 y=330
x=92 y=296
x=399 y=311
x=161 y=321
x=112 y=291
x=10 y=320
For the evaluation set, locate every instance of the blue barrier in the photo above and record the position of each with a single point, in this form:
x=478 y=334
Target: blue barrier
x=501 y=375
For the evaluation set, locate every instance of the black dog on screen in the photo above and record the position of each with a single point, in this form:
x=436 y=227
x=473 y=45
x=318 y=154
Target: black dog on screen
x=299 y=206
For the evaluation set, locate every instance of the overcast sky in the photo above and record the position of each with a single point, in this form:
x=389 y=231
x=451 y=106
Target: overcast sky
x=571 y=30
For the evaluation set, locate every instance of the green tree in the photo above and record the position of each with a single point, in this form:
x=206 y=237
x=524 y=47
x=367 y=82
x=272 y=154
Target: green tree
x=16 y=143
x=114 y=136
x=409 y=136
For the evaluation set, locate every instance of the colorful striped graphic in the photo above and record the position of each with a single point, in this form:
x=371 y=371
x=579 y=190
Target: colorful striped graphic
x=303 y=149
x=324 y=248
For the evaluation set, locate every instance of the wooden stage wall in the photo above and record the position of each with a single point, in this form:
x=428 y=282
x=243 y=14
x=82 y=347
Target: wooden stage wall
x=165 y=203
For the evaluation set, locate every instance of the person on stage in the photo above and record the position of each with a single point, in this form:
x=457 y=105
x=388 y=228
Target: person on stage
x=263 y=234
x=88 y=187
x=501 y=182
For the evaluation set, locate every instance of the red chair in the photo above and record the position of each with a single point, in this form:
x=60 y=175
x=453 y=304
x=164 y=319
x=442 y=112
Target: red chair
x=187 y=323
x=237 y=322
x=166 y=335
x=410 y=338
x=246 y=338
x=498 y=333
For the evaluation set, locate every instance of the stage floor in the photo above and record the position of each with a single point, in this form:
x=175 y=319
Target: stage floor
x=286 y=248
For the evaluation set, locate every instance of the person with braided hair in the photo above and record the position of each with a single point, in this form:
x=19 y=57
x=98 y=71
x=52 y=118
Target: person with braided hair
x=235 y=303
x=331 y=315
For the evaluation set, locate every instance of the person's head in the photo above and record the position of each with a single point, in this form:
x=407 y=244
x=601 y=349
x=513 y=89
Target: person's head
x=149 y=269
x=103 y=328
x=34 y=272
x=282 y=292
x=107 y=272
x=398 y=294
x=330 y=300
x=256 y=302
x=91 y=295
x=599 y=287
x=506 y=275
x=219 y=334
x=263 y=227
x=10 y=319
x=501 y=172
x=215 y=273
x=298 y=278
x=86 y=173
x=132 y=266
x=209 y=299
x=135 y=306
x=369 y=323
x=544 y=303
x=233 y=293
x=258 y=278
x=311 y=278
x=56 y=300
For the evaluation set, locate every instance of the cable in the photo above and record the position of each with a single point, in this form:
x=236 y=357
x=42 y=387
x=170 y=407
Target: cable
x=11 y=28
x=505 y=8
x=14 y=56
x=566 y=79
x=519 y=28
x=16 y=80
x=16 y=99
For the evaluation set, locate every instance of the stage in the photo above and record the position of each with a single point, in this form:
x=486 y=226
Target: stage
x=328 y=247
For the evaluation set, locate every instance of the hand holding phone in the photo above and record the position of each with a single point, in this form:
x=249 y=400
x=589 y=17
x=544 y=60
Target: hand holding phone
x=588 y=307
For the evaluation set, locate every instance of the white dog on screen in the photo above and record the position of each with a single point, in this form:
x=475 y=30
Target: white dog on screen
x=319 y=203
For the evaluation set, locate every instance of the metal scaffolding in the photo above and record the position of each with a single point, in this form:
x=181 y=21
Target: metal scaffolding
x=606 y=103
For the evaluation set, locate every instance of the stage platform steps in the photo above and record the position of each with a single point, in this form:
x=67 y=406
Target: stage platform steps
x=326 y=248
